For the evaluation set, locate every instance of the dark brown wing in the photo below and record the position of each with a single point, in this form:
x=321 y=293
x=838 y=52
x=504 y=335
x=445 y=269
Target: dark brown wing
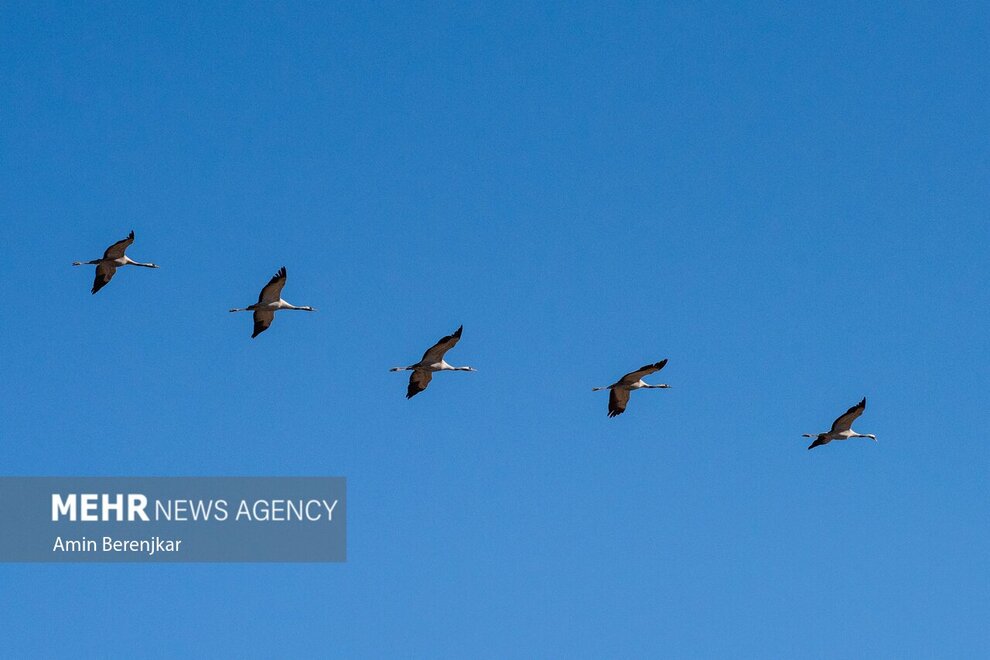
x=418 y=380
x=272 y=291
x=617 y=400
x=436 y=352
x=116 y=251
x=262 y=320
x=845 y=421
x=818 y=442
x=645 y=370
x=104 y=273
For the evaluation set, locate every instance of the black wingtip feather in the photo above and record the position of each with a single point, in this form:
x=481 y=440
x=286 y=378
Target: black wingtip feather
x=459 y=330
x=656 y=365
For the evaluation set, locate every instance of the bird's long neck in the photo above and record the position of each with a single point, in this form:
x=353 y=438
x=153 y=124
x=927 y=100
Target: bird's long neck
x=304 y=308
x=86 y=263
x=656 y=387
x=130 y=262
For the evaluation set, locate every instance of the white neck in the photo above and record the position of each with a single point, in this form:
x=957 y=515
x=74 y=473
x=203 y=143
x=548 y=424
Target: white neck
x=130 y=262
x=285 y=305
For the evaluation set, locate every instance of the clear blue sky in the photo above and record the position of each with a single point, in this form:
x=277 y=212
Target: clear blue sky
x=789 y=203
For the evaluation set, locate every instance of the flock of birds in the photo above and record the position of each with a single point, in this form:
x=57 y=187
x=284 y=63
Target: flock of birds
x=270 y=301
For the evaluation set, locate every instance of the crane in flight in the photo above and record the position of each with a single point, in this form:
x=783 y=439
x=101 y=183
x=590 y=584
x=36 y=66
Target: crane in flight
x=112 y=259
x=619 y=396
x=841 y=428
x=269 y=302
x=422 y=371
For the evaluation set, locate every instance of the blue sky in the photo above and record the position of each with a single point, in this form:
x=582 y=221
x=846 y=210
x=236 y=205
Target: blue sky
x=789 y=203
